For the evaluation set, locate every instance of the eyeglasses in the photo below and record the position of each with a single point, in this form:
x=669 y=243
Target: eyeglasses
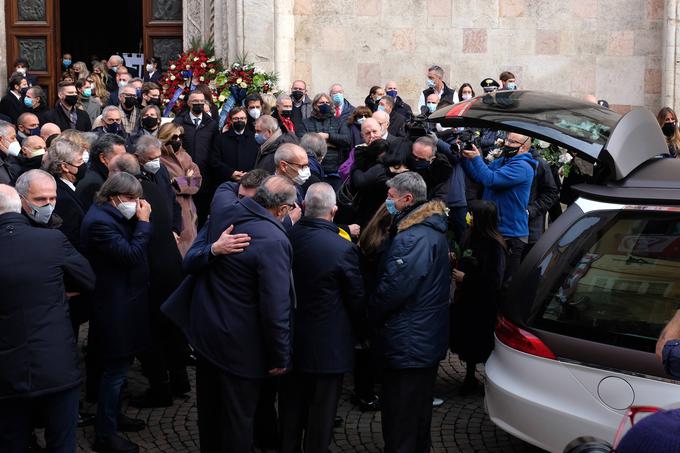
x=630 y=415
x=511 y=141
x=177 y=137
x=296 y=164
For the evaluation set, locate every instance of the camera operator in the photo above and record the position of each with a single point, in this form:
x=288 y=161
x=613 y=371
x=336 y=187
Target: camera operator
x=507 y=181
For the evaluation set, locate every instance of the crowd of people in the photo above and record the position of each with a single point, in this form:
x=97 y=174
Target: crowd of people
x=304 y=240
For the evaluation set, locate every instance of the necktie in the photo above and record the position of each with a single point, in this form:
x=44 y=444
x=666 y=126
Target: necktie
x=337 y=112
x=196 y=121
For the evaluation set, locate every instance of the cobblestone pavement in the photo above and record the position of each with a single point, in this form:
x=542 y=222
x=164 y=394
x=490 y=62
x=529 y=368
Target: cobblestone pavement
x=459 y=425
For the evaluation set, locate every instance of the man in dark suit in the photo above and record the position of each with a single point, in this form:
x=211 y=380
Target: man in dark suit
x=252 y=290
x=39 y=375
x=330 y=294
x=397 y=125
x=436 y=84
x=65 y=114
x=12 y=104
x=103 y=150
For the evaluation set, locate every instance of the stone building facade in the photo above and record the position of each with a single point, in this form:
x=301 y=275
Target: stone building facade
x=624 y=51
x=620 y=50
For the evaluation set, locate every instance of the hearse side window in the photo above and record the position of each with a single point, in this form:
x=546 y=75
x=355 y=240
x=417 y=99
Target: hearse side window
x=614 y=278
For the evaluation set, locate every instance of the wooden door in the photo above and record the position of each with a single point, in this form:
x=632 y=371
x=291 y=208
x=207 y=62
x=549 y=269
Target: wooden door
x=32 y=28
x=162 y=29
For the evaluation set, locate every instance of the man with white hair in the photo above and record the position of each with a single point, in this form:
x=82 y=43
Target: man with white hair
x=341 y=107
x=283 y=114
x=39 y=376
x=38 y=192
x=111 y=122
x=330 y=299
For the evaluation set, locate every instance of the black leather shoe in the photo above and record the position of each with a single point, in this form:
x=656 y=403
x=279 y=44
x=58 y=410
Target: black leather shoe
x=130 y=425
x=367 y=405
x=153 y=398
x=115 y=444
x=85 y=419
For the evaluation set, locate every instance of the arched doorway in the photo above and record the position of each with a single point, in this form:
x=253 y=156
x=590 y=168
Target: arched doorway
x=41 y=30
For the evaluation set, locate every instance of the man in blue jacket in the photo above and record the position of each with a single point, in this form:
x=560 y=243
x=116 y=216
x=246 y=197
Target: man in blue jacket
x=330 y=293
x=239 y=318
x=410 y=307
x=507 y=182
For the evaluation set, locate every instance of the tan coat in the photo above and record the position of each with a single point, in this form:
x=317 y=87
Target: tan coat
x=186 y=180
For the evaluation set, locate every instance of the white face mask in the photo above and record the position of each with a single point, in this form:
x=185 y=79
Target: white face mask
x=86 y=156
x=153 y=166
x=127 y=208
x=149 y=68
x=465 y=97
x=302 y=176
x=254 y=113
x=360 y=121
x=14 y=148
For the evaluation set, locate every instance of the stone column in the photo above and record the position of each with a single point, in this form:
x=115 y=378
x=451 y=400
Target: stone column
x=670 y=76
x=3 y=48
x=284 y=42
x=198 y=20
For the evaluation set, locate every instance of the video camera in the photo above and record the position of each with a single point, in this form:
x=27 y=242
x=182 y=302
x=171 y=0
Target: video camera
x=468 y=138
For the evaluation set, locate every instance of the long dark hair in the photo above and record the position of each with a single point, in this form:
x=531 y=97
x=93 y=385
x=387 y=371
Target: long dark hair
x=485 y=221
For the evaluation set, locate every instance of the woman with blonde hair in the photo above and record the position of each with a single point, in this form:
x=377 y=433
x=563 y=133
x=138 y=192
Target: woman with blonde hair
x=99 y=90
x=186 y=179
x=80 y=70
x=668 y=121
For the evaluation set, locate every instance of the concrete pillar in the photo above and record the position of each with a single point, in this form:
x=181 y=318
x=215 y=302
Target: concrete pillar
x=284 y=42
x=670 y=67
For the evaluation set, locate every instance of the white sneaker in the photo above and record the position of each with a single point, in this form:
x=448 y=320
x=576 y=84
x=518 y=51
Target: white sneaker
x=436 y=402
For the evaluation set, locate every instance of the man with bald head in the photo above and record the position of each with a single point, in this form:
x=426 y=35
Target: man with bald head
x=507 y=181
x=395 y=143
x=240 y=309
x=330 y=298
x=292 y=162
x=31 y=155
x=27 y=124
x=49 y=129
x=40 y=371
x=400 y=106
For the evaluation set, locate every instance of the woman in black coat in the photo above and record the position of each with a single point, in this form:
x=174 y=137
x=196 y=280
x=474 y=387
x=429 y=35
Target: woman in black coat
x=479 y=275
x=334 y=130
x=115 y=235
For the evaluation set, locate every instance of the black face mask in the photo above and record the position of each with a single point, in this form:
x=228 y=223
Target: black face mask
x=239 y=126
x=197 y=109
x=80 y=174
x=155 y=101
x=668 y=129
x=510 y=151
x=130 y=102
x=112 y=128
x=71 y=99
x=149 y=123
x=175 y=145
x=297 y=95
x=23 y=91
x=286 y=113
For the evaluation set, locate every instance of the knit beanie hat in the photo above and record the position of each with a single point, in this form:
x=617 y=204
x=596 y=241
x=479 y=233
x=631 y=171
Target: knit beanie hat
x=656 y=433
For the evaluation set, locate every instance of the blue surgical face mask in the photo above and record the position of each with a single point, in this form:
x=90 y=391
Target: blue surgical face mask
x=381 y=108
x=338 y=98
x=430 y=83
x=391 y=207
x=431 y=106
x=259 y=138
x=66 y=62
x=511 y=86
x=28 y=102
x=87 y=92
x=392 y=93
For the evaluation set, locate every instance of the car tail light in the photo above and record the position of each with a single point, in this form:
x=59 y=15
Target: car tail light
x=521 y=340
